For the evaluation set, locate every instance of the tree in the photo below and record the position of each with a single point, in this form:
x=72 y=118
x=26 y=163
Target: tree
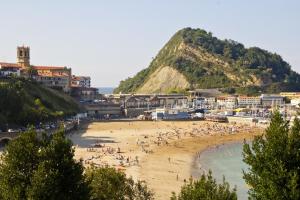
x=58 y=175
x=107 y=183
x=206 y=188
x=35 y=167
x=31 y=71
x=18 y=163
x=274 y=161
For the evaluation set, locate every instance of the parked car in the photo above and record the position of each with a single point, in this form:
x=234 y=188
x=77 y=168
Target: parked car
x=47 y=127
x=263 y=121
x=13 y=130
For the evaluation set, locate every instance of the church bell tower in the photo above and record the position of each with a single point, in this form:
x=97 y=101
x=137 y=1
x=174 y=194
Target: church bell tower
x=23 y=54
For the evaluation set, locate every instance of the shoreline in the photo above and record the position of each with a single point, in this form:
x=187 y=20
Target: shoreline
x=183 y=163
x=196 y=168
x=160 y=153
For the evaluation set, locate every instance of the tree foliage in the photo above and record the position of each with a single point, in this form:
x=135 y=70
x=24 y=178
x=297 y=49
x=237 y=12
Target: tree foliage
x=107 y=183
x=41 y=168
x=274 y=161
x=206 y=188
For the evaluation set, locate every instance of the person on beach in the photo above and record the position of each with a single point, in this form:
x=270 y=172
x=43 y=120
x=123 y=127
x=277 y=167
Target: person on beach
x=137 y=160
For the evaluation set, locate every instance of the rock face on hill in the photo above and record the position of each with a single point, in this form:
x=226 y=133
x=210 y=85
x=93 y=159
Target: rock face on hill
x=194 y=58
x=163 y=79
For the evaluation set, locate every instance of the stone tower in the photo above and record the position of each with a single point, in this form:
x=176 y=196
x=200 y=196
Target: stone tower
x=23 y=55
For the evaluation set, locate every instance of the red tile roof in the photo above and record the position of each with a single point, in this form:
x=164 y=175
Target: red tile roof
x=53 y=74
x=12 y=65
x=48 y=67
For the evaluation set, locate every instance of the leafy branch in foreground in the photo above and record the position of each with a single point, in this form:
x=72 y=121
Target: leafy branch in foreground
x=206 y=188
x=107 y=183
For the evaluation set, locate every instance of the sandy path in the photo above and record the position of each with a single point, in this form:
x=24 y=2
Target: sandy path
x=161 y=167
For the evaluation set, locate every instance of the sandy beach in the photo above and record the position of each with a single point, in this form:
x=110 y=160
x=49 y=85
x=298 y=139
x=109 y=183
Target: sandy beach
x=161 y=153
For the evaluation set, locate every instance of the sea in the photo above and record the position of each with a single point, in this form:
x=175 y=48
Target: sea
x=224 y=160
x=105 y=90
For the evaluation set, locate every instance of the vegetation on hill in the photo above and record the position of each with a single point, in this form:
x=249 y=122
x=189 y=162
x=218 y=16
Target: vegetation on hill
x=208 y=62
x=24 y=102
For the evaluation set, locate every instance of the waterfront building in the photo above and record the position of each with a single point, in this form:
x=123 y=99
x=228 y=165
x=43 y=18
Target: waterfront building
x=136 y=105
x=295 y=102
x=271 y=100
x=81 y=81
x=173 y=100
x=170 y=114
x=249 y=101
x=84 y=94
x=103 y=109
x=199 y=103
x=204 y=103
x=227 y=102
x=290 y=95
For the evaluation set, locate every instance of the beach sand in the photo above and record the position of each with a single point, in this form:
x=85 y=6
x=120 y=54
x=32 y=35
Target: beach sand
x=161 y=153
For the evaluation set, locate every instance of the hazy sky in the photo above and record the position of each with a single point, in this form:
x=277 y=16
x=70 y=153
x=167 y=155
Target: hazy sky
x=112 y=40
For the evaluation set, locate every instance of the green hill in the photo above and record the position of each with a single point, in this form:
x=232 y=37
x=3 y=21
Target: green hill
x=194 y=58
x=24 y=102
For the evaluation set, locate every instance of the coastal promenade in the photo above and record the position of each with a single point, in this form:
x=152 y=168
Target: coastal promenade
x=5 y=137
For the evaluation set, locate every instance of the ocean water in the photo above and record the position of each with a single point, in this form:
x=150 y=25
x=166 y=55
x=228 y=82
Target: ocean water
x=224 y=160
x=105 y=90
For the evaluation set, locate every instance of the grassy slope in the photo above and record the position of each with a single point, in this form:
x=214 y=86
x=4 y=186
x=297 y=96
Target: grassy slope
x=28 y=102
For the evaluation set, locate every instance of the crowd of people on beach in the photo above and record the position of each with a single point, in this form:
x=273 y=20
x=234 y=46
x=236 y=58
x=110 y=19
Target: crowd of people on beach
x=146 y=143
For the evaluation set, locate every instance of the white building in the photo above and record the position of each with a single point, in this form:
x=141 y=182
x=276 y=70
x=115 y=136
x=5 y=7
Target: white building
x=227 y=101
x=204 y=102
x=199 y=102
x=9 y=69
x=248 y=101
x=210 y=100
x=81 y=81
x=295 y=102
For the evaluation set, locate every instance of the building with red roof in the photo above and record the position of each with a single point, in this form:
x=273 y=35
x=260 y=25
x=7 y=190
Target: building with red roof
x=10 y=69
x=58 y=77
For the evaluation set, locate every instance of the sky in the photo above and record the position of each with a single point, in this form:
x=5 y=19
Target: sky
x=112 y=40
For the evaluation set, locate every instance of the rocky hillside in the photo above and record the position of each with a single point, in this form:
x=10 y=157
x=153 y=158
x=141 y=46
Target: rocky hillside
x=194 y=58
